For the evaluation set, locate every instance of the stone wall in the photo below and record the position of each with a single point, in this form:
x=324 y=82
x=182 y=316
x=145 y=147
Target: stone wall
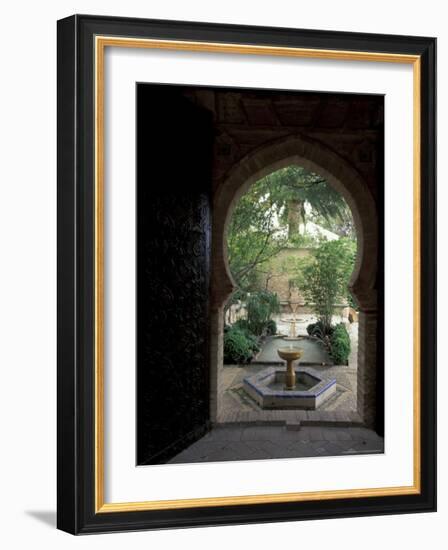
x=350 y=124
x=276 y=278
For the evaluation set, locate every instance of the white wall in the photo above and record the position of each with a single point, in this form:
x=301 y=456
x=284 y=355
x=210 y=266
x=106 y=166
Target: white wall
x=28 y=269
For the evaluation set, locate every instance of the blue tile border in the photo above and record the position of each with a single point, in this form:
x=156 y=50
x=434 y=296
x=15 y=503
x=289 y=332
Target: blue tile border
x=263 y=391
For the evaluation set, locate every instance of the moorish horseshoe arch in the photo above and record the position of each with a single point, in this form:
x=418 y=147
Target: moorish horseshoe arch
x=340 y=174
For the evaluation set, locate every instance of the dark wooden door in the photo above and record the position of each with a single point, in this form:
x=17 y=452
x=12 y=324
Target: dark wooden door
x=174 y=156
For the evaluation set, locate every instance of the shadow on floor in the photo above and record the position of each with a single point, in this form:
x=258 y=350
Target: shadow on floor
x=48 y=517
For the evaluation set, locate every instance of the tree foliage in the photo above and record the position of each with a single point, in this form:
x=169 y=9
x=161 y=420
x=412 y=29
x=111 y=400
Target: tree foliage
x=254 y=236
x=261 y=306
x=324 y=277
x=267 y=219
x=298 y=191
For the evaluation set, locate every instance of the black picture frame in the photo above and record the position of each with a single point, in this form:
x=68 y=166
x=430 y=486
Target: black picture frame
x=77 y=484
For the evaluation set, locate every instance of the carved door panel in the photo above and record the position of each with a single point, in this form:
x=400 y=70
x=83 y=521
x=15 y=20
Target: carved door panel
x=174 y=155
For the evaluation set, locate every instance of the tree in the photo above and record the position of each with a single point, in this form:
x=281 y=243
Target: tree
x=267 y=218
x=261 y=306
x=324 y=277
x=293 y=189
x=254 y=236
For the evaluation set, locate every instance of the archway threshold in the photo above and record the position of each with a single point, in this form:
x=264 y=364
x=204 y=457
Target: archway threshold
x=291 y=419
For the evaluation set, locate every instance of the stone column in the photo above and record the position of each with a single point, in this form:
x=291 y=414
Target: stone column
x=216 y=358
x=367 y=366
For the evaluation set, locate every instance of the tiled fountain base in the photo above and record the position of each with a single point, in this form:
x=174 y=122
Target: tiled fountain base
x=237 y=406
x=267 y=389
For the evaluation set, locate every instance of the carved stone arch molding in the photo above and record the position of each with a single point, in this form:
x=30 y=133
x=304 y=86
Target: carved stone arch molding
x=342 y=176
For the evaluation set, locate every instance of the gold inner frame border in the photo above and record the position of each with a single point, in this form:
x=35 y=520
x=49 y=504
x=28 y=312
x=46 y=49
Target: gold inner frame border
x=101 y=42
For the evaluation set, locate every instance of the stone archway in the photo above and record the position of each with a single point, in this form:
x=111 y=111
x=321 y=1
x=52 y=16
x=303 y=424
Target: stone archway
x=316 y=157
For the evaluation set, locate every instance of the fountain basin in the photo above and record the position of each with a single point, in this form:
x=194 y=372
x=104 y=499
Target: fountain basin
x=267 y=389
x=290 y=354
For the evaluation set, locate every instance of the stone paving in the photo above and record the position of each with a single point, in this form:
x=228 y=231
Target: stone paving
x=245 y=442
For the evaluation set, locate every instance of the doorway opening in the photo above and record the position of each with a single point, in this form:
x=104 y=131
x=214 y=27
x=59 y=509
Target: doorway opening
x=291 y=251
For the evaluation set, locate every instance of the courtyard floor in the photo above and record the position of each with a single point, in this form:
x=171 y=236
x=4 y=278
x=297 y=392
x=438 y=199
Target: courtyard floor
x=236 y=406
x=247 y=432
x=264 y=442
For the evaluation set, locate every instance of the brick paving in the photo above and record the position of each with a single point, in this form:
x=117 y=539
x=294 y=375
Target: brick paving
x=250 y=442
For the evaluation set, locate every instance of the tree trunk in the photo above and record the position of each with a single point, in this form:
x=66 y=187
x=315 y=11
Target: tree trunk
x=294 y=212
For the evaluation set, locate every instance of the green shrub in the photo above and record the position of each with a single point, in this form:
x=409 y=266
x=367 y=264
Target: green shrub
x=252 y=341
x=340 y=345
x=318 y=330
x=243 y=326
x=271 y=327
x=238 y=347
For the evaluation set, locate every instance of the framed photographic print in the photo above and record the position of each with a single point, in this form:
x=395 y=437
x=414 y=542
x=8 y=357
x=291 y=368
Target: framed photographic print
x=246 y=274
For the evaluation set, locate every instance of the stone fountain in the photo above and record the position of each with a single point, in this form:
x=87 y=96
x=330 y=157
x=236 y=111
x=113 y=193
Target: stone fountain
x=290 y=355
x=295 y=300
x=290 y=388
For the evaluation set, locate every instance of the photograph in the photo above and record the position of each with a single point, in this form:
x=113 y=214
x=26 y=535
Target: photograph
x=264 y=341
